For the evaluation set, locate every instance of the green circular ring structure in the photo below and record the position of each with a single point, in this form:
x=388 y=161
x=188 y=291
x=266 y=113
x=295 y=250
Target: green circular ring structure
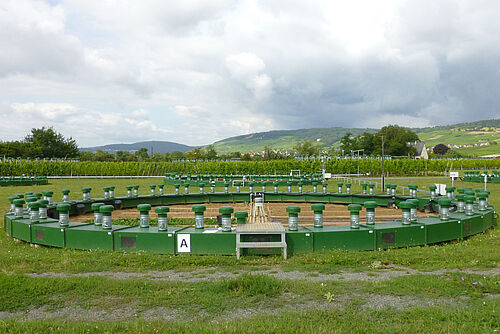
x=210 y=240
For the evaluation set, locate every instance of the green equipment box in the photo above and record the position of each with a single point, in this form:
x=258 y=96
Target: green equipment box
x=205 y=241
x=148 y=239
x=395 y=234
x=51 y=233
x=7 y=221
x=301 y=241
x=20 y=228
x=441 y=230
x=92 y=237
x=343 y=237
x=474 y=224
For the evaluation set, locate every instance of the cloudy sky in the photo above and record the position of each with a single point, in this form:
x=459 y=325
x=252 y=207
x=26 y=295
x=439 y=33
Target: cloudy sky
x=196 y=71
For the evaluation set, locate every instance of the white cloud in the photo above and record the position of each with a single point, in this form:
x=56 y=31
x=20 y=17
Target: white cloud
x=91 y=127
x=248 y=69
x=200 y=71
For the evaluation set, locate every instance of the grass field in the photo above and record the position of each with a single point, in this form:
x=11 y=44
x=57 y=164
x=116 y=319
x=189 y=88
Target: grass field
x=451 y=287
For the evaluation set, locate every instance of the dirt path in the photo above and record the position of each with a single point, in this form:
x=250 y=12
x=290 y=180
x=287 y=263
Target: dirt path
x=130 y=312
x=211 y=274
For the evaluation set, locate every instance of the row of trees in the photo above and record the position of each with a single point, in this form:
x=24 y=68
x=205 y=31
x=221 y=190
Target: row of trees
x=395 y=138
x=142 y=154
x=41 y=143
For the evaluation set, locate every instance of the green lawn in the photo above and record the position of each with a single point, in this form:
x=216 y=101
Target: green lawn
x=439 y=291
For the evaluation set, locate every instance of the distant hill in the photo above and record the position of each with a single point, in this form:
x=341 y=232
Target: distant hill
x=154 y=146
x=468 y=136
x=463 y=135
x=285 y=139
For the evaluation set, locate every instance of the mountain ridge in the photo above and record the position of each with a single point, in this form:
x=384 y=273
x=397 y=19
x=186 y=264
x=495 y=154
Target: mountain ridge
x=155 y=146
x=459 y=134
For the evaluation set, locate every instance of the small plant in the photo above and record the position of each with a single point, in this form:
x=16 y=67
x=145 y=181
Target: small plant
x=330 y=297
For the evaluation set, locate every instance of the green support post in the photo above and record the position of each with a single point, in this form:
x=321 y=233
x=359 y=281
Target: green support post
x=340 y=184
x=106 y=192
x=450 y=192
x=413 y=190
x=371 y=187
x=162 y=217
x=95 y=207
x=129 y=190
x=42 y=211
x=112 y=191
x=136 y=190
x=370 y=207
x=199 y=219
x=293 y=217
x=348 y=188
x=394 y=188
x=413 y=209
x=406 y=212
x=275 y=184
x=315 y=186
x=432 y=189
x=65 y=197
x=241 y=217
x=444 y=208
x=19 y=207
x=86 y=193
x=30 y=199
x=43 y=194
x=226 y=212
x=363 y=187
x=152 y=188
x=482 y=204
x=34 y=210
x=318 y=214
x=325 y=186
x=107 y=219
x=144 y=215
x=161 y=189
x=12 y=205
x=63 y=209
x=50 y=196
x=354 y=210
x=469 y=204
x=460 y=202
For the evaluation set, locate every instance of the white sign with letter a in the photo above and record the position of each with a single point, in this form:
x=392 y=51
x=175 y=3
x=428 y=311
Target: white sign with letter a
x=184 y=243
